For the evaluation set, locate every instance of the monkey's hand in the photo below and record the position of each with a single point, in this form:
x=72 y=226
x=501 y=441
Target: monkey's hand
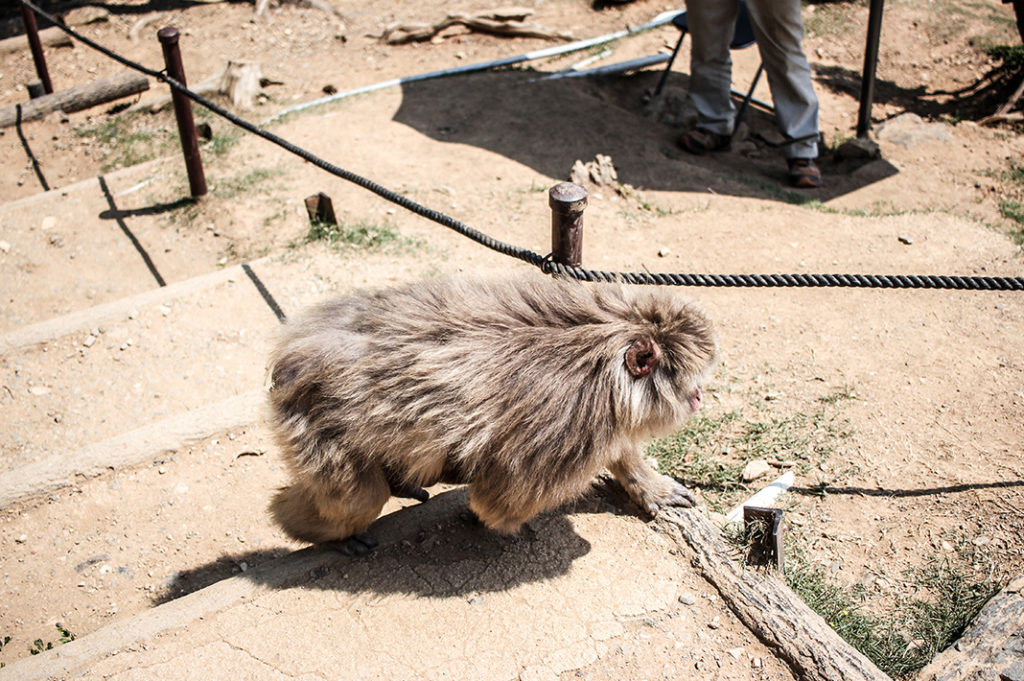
x=651 y=490
x=664 y=493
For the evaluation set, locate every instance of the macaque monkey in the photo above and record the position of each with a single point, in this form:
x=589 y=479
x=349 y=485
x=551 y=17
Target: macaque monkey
x=523 y=388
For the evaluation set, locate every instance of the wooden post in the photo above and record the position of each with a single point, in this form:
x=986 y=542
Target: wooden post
x=28 y=17
x=183 y=112
x=567 y=201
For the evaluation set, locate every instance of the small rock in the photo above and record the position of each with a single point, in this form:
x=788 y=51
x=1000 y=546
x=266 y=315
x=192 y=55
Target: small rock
x=858 y=149
x=21 y=539
x=89 y=340
x=758 y=468
x=687 y=598
x=164 y=310
x=904 y=239
x=946 y=546
x=715 y=623
x=736 y=653
x=5 y=247
x=49 y=222
x=755 y=662
x=663 y=252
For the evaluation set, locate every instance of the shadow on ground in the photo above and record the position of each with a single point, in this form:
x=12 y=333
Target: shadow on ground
x=971 y=102
x=548 y=125
x=453 y=557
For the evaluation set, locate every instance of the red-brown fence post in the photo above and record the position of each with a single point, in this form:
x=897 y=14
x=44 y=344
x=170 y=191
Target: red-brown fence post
x=567 y=201
x=28 y=17
x=183 y=112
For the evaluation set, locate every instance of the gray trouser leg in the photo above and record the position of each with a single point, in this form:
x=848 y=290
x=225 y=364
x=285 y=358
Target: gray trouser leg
x=779 y=32
x=711 y=27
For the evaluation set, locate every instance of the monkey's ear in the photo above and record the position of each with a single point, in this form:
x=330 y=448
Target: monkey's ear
x=642 y=356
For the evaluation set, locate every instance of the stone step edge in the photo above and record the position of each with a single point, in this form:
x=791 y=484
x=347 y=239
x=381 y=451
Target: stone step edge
x=149 y=442
x=106 y=313
x=75 y=658
x=87 y=184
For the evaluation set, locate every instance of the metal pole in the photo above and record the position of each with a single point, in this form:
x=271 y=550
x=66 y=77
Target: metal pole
x=867 y=84
x=28 y=17
x=183 y=112
x=567 y=201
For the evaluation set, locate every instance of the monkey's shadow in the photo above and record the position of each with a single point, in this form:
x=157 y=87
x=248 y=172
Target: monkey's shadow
x=445 y=556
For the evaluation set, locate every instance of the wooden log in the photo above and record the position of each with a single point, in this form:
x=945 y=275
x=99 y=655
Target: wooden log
x=793 y=631
x=78 y=98
x=993 y=646
x=50 y=37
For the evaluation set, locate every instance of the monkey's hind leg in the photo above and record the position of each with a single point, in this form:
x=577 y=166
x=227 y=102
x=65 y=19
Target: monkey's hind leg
x=651 y=490
x=337 y=514
x=492 y=507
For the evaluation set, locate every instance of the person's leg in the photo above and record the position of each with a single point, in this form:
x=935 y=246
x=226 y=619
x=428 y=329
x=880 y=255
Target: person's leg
x=712 y=23
x=779 y=31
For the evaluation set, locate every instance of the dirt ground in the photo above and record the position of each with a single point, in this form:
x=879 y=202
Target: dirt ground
x=929 y=460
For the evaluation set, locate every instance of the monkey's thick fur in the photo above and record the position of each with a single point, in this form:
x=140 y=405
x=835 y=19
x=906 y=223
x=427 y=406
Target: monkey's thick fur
x=523 y=388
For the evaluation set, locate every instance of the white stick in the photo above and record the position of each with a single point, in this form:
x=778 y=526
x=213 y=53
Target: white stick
x=764 y=498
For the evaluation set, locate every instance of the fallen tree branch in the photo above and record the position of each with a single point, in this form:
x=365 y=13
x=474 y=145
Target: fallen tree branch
x=769 y=608
x=508 y=21
x=136 y=29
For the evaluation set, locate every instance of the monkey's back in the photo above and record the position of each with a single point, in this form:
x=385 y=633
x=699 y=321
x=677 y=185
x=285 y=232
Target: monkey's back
x=499 y=379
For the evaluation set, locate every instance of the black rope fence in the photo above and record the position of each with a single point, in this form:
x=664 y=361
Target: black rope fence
x=546 y=263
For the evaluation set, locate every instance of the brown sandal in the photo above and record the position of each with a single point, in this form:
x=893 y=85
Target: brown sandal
x=804 y=173
x=700 y=141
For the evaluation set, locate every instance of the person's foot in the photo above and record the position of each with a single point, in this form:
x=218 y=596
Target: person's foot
x=700 y=141
x=804 y=173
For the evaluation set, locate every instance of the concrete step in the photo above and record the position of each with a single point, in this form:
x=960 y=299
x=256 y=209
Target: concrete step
x=440 y=598
x=93 y=242
x=100 y=373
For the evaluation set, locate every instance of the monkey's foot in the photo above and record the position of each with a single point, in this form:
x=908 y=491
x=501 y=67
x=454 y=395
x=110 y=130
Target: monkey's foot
x=356 y=545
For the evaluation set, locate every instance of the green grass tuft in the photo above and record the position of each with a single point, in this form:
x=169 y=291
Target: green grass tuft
x=363 y=236
x=909 y=635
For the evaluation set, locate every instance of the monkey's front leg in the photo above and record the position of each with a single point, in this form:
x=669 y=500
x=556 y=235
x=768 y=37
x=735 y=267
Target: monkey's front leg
x=648 y=488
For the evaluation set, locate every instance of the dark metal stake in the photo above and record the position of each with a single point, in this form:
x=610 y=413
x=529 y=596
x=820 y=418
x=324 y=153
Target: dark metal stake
x=28 y=17
x=567 y=201
x=867 y=84
x=321 y=209
x=183 y=112
x=763 y=529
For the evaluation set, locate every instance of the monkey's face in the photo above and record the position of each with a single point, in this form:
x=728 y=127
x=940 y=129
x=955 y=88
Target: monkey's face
x=666 y=365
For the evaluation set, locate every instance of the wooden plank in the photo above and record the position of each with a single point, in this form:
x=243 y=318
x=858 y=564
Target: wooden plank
x=769 y=608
